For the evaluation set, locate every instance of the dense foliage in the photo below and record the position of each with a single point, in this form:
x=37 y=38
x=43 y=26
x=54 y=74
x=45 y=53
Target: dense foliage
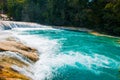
x=101 y=15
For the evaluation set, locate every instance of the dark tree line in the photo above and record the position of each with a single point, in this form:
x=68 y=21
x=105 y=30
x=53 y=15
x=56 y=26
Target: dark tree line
x=100 y=15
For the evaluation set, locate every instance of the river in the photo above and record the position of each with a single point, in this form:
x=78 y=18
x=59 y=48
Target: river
x=72 y=55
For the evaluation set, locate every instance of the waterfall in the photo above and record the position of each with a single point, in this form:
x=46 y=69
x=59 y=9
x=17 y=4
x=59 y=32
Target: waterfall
x=6 y=25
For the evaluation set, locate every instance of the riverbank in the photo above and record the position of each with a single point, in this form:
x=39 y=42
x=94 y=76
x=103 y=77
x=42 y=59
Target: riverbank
x=11 y=52
x=90 y=31
x=5 y=17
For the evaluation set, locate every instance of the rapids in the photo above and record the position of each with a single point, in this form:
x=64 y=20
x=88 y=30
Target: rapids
x=69 y=55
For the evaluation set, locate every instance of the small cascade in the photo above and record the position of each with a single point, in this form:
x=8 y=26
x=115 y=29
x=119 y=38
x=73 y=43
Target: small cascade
x=7 y=25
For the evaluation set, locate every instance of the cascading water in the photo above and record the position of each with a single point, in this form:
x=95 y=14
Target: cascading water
x=71 y=55
x=7 y=25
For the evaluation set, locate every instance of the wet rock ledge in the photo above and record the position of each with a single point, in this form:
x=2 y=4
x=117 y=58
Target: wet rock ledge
x=7 y=72
x=14 y=46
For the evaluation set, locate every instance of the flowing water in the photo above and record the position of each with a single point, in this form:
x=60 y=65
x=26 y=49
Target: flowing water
x=71 y=55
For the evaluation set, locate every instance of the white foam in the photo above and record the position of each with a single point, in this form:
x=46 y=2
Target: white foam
x=41 y=28
x=42 y=44
x=4 y=35
x=48 y=64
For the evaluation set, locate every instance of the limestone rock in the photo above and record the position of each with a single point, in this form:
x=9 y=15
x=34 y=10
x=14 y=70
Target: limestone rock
x=14 y=46
x=7 y=73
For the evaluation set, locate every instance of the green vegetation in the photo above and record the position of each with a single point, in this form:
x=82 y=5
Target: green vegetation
x=100 y=15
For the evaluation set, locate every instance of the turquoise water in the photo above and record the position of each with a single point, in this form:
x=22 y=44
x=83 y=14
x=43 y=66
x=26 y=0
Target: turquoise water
x=74 y=55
